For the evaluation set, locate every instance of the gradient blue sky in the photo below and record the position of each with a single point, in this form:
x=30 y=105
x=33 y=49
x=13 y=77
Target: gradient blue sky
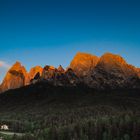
x=39 y=32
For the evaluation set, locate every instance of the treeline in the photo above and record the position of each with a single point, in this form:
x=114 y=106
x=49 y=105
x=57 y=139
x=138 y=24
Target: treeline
x=48 y=113
x=124 y=127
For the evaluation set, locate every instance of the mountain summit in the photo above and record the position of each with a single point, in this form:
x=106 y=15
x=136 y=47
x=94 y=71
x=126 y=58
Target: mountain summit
x=83 y=63
x=34 y=71
x=15 y=77
x=110 y=71
x=113 y=72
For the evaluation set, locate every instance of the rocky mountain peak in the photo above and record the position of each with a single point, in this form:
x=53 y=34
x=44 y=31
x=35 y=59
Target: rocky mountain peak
x=83 y=63
x=115 y=63
x=109 y=59
x=110 y=71
x=17 y=66
x=138 y=72
x=34 y=71
x=48 y=72
x=47 y=68
x=17 y=63
x=60 y=69
x=15 y=77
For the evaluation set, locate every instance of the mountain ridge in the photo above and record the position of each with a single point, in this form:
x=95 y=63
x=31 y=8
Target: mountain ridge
x=108 y=71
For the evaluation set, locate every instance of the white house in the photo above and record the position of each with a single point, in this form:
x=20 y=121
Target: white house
x=4 y=127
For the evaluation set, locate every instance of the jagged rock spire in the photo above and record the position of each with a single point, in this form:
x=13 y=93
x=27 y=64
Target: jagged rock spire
x=60 y=69
x=34 y=71
x=15 y=77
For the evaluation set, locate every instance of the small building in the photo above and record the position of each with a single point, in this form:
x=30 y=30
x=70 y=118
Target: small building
x=4 y=127
x=1 y=138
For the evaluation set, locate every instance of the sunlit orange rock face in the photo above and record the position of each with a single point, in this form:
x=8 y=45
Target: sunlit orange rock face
x=15 y=77
x=48 y=72
x=83 y=63
x=34 y=71
x=115 y=63
x=112 y=71
x=138 y=72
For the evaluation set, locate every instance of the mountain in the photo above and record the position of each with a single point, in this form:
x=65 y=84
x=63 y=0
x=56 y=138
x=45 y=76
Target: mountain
x=110 y=71
x=48 y=72
x=54 y=103
x=60 y=69
x=138 y=71
x=16 y=77
x=34 y=71
x=83 y=64
x=58 y=76
x=113 y=72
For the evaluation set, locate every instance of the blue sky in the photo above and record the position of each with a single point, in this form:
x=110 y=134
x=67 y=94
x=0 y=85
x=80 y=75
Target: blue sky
x=39 y=32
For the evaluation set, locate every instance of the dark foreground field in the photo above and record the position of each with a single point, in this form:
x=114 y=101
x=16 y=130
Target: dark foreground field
x=44 y=112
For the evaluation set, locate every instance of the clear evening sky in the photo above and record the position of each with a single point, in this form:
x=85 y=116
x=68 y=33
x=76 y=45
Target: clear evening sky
x=40 y=32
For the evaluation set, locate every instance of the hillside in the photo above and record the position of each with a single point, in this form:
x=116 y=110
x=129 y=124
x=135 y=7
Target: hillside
x=66 y=113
